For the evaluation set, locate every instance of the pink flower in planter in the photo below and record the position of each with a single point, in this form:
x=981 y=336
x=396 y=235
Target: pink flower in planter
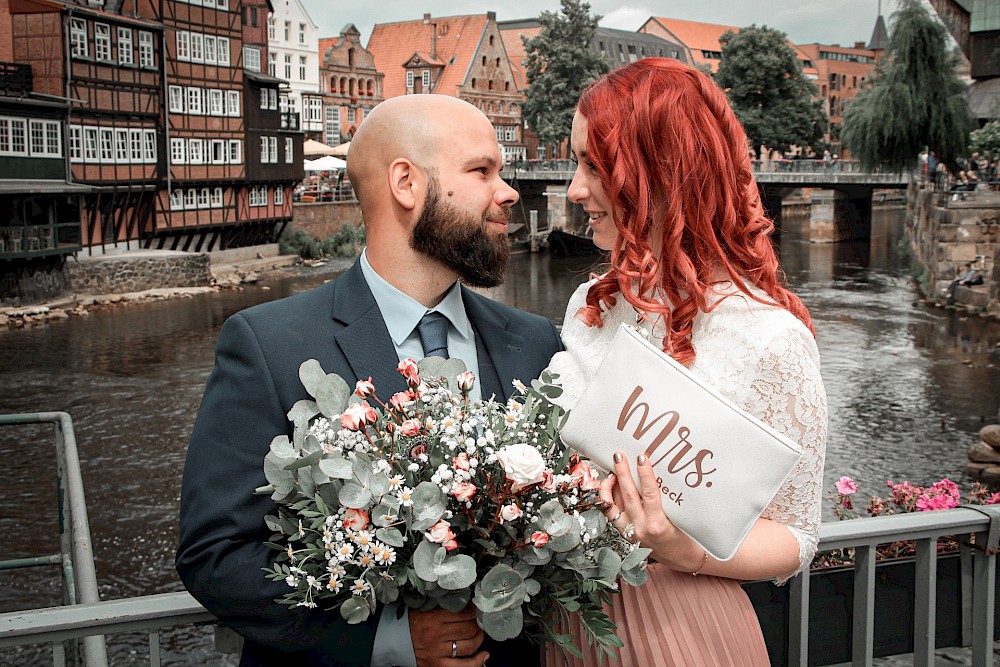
x=846 y=486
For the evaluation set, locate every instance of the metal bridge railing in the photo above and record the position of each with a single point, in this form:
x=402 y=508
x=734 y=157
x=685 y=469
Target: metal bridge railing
x=76 y=553
x=978 y=528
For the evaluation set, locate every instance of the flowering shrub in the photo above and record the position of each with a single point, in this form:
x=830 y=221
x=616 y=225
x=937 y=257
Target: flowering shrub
x=903 y=497
x=437 y=500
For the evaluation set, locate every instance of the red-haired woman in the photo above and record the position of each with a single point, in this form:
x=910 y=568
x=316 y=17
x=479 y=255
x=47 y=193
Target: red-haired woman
x=664 y=173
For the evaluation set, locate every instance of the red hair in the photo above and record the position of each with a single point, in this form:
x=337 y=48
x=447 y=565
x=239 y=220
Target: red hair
x=675 y=163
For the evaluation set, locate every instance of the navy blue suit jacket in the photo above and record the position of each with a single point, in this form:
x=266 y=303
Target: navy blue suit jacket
x=253 y=385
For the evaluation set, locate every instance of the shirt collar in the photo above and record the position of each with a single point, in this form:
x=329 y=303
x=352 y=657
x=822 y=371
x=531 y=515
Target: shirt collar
x=402 y=312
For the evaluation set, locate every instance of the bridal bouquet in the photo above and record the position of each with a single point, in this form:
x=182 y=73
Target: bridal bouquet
x=437 y=500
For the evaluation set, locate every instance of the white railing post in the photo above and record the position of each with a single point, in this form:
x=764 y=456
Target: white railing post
x=925 y=603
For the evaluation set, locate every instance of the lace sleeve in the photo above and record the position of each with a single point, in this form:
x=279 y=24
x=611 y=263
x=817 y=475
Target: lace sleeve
x=789 y=396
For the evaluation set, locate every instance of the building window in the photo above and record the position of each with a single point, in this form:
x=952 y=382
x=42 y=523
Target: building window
x=265 y=156
x=78 y=38
x=302 y=68
x=215 y=102
x=409 y=79
x=217 y=197
x=125 y=55
x=509 y=133
x=89 y=144
x=289 y=151
x=331 y=133
x=425 y=79
x=177 y=200
x=288 y=31
x=102 y=42
x=233 y=103
x=314 y=109
x=253 y=17
x=272 y=63
x=196 y=151
x=183 y=45
x=178 y=151
x=272 y=99
x=263 y=98
x=135 y=146
x=270 y=27
x=251 y=58
x=272 y=143
x=279 y=195
x=219 y=151
x=210 y=49
x=194 y=101
x=190 y=198
x=235 y=151
x=197 y=47
x=222 y=46
x=107 y=145
x=302 y=33
x=203 y=198
x=149 y=146
x=350 y=114
x=175 y=99
x=146 y=50
x=121 y=145
x=288 y=66
x=75 y=148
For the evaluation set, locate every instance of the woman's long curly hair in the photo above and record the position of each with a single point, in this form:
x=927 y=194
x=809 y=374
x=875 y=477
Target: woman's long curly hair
x=675 y=163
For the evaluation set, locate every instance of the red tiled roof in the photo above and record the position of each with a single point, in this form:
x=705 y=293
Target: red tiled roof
x=516 y=53
x=392 y=45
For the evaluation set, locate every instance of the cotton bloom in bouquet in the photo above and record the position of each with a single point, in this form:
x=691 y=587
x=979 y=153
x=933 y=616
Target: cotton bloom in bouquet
x=437 y=500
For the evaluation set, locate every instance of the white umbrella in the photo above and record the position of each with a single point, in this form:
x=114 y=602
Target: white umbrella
x=312 y=147
x=341 y=150
x=327 y=163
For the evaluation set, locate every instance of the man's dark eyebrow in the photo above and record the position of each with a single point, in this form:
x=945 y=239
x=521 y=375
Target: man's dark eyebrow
x=488 y=159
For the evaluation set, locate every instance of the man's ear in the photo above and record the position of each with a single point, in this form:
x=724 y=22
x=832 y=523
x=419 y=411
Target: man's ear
x=406 y=183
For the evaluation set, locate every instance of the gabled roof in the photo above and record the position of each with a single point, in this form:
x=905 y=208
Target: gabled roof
x=697 y=37
x=419 y=58
x=456 y=42
x=511 y=33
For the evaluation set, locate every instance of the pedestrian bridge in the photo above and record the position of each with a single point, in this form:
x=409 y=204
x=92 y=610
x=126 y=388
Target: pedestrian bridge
x=841 y=198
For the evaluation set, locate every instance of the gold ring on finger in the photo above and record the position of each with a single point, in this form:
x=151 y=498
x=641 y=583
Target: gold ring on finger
x=454 y=649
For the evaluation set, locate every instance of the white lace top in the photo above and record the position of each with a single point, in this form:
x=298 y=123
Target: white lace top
x=760 y=357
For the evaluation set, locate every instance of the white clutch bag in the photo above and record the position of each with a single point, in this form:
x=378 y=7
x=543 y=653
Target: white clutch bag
x=717 y=466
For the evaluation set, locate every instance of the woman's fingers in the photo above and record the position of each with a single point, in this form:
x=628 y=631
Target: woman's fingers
x=631 y=501
x=649 y=488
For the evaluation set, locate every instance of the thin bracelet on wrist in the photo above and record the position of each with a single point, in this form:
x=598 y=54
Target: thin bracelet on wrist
x=698 y=569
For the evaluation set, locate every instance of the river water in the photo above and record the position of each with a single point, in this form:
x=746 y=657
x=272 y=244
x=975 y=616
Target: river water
x=908 y=388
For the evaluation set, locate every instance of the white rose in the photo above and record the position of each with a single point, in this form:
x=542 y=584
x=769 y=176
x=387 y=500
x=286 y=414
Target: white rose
x=523 y=464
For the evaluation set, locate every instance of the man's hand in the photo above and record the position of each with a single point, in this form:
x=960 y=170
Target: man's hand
x=433 y=632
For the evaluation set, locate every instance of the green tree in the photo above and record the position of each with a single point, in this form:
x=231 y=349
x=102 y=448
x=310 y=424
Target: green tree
x=560 y=65
x=776 y=103
x=986 y=139
x=914 y=100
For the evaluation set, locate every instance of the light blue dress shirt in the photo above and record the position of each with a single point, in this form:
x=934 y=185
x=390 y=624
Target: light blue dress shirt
x=393 y=644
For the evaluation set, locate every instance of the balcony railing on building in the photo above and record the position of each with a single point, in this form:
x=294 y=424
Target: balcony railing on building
x=801 y=624
x=22 y=241
x=15 y=79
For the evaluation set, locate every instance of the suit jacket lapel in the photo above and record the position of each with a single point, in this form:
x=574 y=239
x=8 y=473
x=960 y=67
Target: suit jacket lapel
x=364 y=338
x=503 y=347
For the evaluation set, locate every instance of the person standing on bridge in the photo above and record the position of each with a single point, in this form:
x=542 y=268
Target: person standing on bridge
x=436 y=213
x=663 y=172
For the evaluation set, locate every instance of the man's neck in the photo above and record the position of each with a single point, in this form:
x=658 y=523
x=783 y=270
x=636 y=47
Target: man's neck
x=421 y=278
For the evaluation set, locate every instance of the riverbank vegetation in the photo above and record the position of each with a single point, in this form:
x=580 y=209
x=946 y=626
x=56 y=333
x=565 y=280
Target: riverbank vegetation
x=345 y=242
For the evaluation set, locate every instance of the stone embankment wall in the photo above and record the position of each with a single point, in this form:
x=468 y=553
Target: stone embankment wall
x=947 y=232
x=140 y=271
x=321 y=220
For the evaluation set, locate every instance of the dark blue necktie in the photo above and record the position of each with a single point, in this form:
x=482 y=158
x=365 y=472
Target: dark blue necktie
x=433 y=332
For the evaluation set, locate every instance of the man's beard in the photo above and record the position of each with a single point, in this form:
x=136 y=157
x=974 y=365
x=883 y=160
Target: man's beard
x=465 y=245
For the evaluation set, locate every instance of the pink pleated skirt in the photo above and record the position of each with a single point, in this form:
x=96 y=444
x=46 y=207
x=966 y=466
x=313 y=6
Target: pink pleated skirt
x=677 y=620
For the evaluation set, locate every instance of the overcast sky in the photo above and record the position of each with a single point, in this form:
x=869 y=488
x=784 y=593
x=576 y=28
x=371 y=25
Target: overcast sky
x=826 y=21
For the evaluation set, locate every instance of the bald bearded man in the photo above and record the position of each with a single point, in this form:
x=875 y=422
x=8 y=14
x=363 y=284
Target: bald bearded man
x=426 y=169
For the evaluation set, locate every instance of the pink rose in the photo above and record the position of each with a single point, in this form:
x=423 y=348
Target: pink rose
x=417 y=451
x=410 y=427
x=357 y=416
x=401 y=399
x=539 y=538
x=464 y=491
x=586 y=476
x=408 y=367
x=355 y=519
x=548 y=482
x=440 y=533
x=510 y=513
x=993 y=499
x=365 y=388
x=846 y=486
x=466 y=381
x=461 y=462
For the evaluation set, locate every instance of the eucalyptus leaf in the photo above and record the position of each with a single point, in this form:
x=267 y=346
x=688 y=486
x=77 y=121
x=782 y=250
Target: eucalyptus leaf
x=456 y=601
x=354 y=496
x=594 y=522
x=330 y=492
x=383 y=515
x=428 y=505
x=311 y=374
x=276 y=474
x=502 y=625
x=534 y=556
x=379 y=484
x=609 y=563
x=302 y=412
x=390 y=536
x=635 y=577
x=355 y=609
x=532 y=587
x=338 y=468
x=282 y=448
x=456 y=572
x=501 y=588
x=636 y=558
x=331 y=395
x=305 y=461
x=554 y=520
x=305 y=481
x=310 y=444
x=565 y=542
x=423 y=560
